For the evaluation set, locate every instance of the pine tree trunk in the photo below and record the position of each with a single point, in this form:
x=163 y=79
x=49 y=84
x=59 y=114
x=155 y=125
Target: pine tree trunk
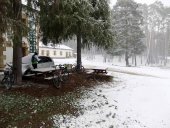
x=17 y=42
x=78 y=51
x=120 y=58
x=126 y=59
x=132 y=59
x=149 y=49
x=17 y=61
x=135 y=60
x=105 y=58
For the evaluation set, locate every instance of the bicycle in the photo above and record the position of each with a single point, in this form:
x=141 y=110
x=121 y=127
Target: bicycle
x=57 y=79
x=64 y=72
x=60 y=76
x=8 y=79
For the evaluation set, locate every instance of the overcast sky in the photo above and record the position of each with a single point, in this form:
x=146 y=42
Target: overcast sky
x=165 y=2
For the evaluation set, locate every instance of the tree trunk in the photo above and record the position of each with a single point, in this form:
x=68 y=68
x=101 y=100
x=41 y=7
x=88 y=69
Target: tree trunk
x=120 y=58
x=17 y=42
x=126 y=59
x=149 y=49
x=78 y=51
x=17 y=55
x=105 y=58
x=135 y=60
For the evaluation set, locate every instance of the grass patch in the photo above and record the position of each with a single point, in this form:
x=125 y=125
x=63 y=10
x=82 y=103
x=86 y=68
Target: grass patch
x=34 y=106
x=23 y=110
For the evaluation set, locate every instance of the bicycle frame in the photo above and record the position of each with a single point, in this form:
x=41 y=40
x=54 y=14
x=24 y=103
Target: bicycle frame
x=8 y=78
x=60 y=76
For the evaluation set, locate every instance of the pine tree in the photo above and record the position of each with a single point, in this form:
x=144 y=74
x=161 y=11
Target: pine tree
x=11 y=19
x=127 y=21
x=156 y=19
x=81 y=18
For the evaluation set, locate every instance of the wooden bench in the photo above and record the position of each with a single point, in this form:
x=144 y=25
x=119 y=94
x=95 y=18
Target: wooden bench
x=99 y=70
x=50 y=77
x=53 y=77
x=89 y=71
x=44 y=71
x=31 y=74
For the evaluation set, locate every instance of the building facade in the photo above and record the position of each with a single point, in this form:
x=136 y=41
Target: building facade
x=29 y=41
x=6 y=46
x=55 y=52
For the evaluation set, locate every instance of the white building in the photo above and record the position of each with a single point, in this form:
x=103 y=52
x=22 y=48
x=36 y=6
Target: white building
x=55 y=51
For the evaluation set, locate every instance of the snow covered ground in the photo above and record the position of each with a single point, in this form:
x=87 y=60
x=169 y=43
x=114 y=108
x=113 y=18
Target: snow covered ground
x=138 y=97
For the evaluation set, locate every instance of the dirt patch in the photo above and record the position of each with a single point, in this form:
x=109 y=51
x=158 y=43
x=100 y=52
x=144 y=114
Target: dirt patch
x=35 y=102
x=38 y=87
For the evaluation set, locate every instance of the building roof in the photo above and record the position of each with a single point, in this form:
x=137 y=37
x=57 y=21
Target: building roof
x=54 y=46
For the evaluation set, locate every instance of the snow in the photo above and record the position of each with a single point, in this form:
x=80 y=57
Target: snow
x=56 y=46
x=24 y=2
x=143 y=101
x=148 y=2
x=138 y=97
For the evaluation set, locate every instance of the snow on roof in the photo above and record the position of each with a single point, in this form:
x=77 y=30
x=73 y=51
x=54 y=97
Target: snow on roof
x=54 y=46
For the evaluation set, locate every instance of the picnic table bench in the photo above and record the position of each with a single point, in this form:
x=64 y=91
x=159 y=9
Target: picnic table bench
x=55 y=73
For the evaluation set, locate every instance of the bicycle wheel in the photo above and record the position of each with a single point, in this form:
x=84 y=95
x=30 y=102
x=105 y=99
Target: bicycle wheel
x=65 y=76
x=7 y=83
x=56 y=82
x=3 y=80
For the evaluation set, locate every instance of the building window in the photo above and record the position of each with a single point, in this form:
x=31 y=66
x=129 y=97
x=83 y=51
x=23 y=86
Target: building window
x=54 y=53
x=67 y=55
x=61 y=53
x=42 y=52
x=48 y=53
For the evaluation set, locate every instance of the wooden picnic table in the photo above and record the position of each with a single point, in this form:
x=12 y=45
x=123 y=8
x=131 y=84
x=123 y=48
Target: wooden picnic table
x=55 y=73
x=100 y=70
x=50 y=71
x=44 y=70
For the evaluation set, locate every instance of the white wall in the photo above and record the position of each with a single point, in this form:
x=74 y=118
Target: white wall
x=58 y=55
x=9 y=55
